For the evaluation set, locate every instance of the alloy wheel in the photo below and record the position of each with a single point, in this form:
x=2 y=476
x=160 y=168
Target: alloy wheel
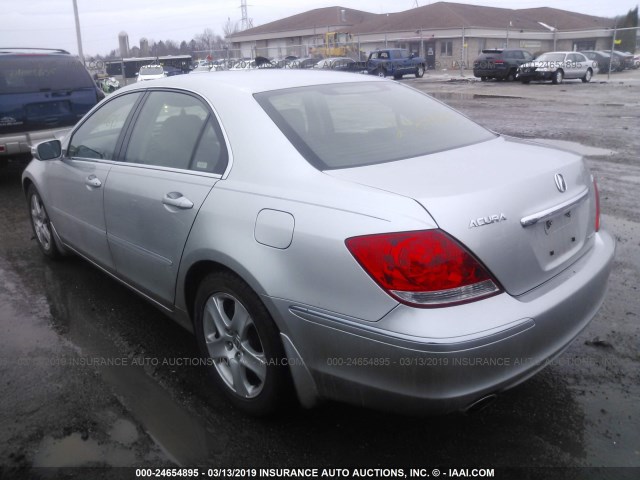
x=233 y=343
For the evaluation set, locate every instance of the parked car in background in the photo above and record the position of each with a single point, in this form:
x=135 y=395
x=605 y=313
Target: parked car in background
x=150 y=72
x=306 y=62
x=245 y=64
x=556 y=67
x=628 y=59
x=170 y=71
x=43 y=92
x=625 y=59
x=603 y=59
x=395 y=62
x=290 y=61
x=380 y=244
x=337 y=63
x=500 y=63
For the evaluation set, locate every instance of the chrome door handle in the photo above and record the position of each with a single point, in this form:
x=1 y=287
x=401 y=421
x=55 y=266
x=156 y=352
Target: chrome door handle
x=93 y=181
x=175 y=199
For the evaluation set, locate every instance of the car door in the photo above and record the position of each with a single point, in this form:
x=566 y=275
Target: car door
x=582 y=63
x=173 y=157
x=575 y=66
x=407 y=66
x=76 y=181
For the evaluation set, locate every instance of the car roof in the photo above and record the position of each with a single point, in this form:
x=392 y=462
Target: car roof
x=32 y=51
x=498 y=50
x=255 y=81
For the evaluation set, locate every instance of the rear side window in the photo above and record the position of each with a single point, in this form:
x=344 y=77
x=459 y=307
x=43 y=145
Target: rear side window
x=177 y=130
x=98 y=135
x=355 y=124
x=41 y=73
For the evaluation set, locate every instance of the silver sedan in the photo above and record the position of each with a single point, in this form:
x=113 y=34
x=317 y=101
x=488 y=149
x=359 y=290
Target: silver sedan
x=330 y=236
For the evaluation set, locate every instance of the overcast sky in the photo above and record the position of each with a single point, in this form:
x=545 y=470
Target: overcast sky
x=50 y=23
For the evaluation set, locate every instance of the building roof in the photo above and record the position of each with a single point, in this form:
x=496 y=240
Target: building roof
x=437 y=16
x=447 y=15
x=565 y=20
x=321 y=18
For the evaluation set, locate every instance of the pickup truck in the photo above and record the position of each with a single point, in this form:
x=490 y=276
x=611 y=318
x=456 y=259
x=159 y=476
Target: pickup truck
x=396 y=62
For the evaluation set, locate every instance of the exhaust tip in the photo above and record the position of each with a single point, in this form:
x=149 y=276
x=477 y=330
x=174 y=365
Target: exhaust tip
x=480 y=404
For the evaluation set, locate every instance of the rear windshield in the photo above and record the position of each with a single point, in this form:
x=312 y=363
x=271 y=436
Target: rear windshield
x=354 y=124
x=551 y=57
x=151 y=71
x=40 y=73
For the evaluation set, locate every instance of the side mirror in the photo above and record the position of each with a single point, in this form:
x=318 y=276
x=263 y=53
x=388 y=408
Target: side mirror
x=47 y=150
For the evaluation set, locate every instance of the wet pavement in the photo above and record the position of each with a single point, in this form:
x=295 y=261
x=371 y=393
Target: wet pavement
x=90 y=374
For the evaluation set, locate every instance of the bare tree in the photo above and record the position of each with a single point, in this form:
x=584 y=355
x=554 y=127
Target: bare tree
x=172 y=47
x=229 y=28
x=206 y=40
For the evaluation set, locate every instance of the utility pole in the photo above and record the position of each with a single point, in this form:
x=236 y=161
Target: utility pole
x=78 y=35
x=462 y=56
x=613 y=45
x=246 y=21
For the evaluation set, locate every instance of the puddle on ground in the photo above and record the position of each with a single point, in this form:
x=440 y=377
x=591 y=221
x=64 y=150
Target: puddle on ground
x=183 y=436
x=73 y=451
x=576 y=147
x=124 y=432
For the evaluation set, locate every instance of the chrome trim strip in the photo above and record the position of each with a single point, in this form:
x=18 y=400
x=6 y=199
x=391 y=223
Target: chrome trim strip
x=419 y=344
x=143 y=165
x=115 y=277
x=553 y=211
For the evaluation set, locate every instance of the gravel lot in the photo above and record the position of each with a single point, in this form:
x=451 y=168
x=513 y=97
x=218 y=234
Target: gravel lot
x=62 y=407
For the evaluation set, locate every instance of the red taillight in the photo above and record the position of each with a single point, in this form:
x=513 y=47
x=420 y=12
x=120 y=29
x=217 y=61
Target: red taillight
x=595 y=189
x=424 y=268
x=498 y=62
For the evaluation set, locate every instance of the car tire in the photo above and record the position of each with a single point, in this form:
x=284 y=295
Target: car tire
x=557 y=78
x=41 y=224
x=511 y=76
x=236 y=333
x=587 y=76
x=397 y=76
x=484 y=79
x=525 y=82
x=381 y=72
x=420 y=71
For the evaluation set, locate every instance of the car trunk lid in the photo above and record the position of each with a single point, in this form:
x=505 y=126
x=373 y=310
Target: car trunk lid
x=503 y=200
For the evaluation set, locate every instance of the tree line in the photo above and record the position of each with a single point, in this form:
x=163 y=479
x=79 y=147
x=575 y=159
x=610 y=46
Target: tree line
x=206 y=41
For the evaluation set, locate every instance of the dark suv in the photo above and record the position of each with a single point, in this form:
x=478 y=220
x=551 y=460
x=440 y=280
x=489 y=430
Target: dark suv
x=43 y=93
x=500 y=63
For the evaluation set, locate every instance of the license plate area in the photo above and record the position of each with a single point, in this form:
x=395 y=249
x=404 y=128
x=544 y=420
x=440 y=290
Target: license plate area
x=559 y=237
x=557 y=223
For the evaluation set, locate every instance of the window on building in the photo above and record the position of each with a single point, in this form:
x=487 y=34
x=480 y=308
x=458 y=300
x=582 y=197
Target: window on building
x=584 y=45
x=446 y=48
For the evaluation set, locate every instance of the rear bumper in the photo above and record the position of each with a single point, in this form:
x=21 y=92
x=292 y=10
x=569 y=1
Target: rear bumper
x=535 y=75
x=20 y=143
x=491 y=72
x=458 y=358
